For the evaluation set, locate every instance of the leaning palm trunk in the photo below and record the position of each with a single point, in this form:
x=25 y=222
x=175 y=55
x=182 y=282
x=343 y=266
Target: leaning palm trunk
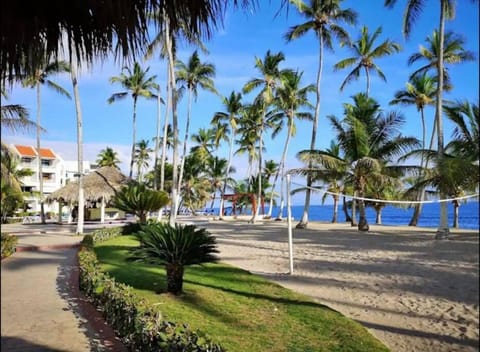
x=335 y=209
x=304 y=222
x=443 y=230
x=345 y=210
x=227 y=175
x=184 y=155
x=281 y=171
x=378 y=213
x=78 y=112
x=174 y=278
x=40 y=174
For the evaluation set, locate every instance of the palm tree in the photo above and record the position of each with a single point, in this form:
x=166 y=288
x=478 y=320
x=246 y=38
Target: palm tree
x=36 y=80
x=204 y=141
x=323 y=18
x=289 y=98
x=138 y=84
x=447 y=11
x=215 y=171
x=270 y=75
x=175 y=247
x=453 y=53
x=191 y=75
x=420 y=91
x=142 y=157
x=233 y=107
x=108 y=157
x=369 y=139
x=15 y=117
x=365 y=53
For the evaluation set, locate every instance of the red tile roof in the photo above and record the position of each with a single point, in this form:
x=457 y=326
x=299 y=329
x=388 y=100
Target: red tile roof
x=28 y=151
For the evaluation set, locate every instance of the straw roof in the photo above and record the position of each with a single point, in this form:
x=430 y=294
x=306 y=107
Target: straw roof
x=103 y=182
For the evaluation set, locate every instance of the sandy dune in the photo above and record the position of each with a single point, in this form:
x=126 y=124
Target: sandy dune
x=412 y=292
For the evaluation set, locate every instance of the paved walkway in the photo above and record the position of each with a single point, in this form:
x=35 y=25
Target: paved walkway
x=41 y=307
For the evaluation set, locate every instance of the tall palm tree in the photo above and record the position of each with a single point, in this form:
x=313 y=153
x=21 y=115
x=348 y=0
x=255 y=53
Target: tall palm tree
x=453 y=53
x=215 y=170
x=231 y=116
x=142 y=157
x=36 y=80
x=366 y=51
x=192 y=75
x=324 y=18
x=413 y=10
x=270 y=75
x=421 y=92
x=108 y=157
x=369 y=139
x=204 y=141
x=138 y=84
x=289 y=98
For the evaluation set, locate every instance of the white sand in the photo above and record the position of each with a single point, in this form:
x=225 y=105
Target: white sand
x=411 y=291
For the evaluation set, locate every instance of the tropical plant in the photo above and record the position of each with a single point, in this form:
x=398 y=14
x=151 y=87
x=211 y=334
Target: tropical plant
x=36 y=80
x=15 y=117
x=135 y=198
x=142 y=157
x=413 y=10
x=174 y=247
x=215 y=171
x=108 y=157
x=324 y=18
x=421 y=92
x=204 y=143
x=270 y=76
x=192 y=75
x=196 y=186
x=233 y=107
x=365 y=53
x=137 y=83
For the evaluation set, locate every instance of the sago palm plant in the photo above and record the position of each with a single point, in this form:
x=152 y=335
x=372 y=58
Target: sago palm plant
x=175 y=247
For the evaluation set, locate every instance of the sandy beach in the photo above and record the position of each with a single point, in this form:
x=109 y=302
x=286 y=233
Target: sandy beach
x=412 y=292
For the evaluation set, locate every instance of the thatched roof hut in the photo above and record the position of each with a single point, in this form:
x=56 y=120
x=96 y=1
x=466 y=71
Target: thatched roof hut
x=101 y=183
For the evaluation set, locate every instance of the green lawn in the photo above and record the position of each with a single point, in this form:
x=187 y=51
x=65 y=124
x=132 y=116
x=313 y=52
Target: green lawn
x=239 y=310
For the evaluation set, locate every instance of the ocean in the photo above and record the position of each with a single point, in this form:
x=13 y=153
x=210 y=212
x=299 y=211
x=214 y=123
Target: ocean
x=468 y=214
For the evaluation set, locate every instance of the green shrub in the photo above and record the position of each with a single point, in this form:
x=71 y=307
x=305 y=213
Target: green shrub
x=9 y=243
x=141 y=327
x=87 y=241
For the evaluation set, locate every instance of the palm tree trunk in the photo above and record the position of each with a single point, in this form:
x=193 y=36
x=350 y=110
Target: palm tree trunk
x=227 y=174
x=171 y=83
x=134 y=128
x=165 y=134
x=456 y=208
x=368 y=80
x=443 y=230
x=345 y=210
x=78 y=111
x=378 y=215
x=187 y=126
x=157 y=140
x=335 y=209
x=40 y=174
x=282 y=170
x=362 y=221
x=174 y=278
x=260 y=145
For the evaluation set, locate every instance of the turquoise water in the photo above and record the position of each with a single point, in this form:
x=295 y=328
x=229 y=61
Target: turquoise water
x=468 y=214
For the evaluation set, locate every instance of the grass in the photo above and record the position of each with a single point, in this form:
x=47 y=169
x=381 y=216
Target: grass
x=239 y=310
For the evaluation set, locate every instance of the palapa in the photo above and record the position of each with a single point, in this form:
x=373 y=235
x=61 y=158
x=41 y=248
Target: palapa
x=101 y=183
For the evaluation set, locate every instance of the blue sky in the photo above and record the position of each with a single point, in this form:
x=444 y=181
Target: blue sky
x=246 y=35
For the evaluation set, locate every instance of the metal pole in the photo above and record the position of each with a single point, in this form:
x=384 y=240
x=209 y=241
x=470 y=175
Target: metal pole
x=289 y=222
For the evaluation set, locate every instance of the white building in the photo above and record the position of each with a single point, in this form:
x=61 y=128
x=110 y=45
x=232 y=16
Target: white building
x=56 y=173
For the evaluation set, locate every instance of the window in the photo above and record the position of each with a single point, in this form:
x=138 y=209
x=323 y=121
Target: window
x=26 y=160
x=45 y=162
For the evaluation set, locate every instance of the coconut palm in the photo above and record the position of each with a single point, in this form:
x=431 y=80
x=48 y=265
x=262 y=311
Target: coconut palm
x=15 y=117
x=215 y=171
x=174 y=247
x=192 y=75
x=204 y=141
x=413 y=10
x=289 y=98
x=36 y=80
x=453 y=53
x=108 y=157
x=370 y=139
x=325 y=19
x=421 y=92
x=366 y=51
x=142 y=157
x=138 y=84
x=231 y=116
x=270 y=75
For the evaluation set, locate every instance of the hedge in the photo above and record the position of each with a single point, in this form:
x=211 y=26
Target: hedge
x=140 y=326
x=9 y=243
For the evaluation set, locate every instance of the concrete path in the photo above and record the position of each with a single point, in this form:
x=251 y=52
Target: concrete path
x=41 y=307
